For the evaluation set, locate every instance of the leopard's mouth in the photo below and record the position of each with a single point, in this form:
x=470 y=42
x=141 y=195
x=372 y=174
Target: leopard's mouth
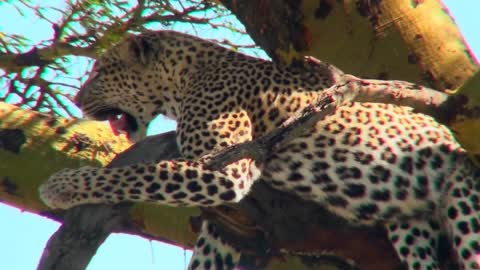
x=120 y=121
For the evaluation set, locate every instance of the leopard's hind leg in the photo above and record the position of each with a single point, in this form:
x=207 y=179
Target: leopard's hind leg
x=212 y=252
x=416 y=243
x=462 y=214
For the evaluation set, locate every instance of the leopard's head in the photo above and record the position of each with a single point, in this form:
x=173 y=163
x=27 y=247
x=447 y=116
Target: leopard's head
x=131 y=84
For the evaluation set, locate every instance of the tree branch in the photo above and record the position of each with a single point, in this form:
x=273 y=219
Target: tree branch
x=83 y=230
x=42 y=56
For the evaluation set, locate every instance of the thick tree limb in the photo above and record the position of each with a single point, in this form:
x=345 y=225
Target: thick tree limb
x=83 y=230
x=466 y=123
x=394 y=39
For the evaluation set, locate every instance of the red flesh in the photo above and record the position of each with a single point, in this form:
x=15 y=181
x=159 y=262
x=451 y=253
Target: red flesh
x=119 y=125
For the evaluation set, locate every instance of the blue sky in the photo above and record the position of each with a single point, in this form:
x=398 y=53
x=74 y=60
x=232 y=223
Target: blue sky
x=23 y=235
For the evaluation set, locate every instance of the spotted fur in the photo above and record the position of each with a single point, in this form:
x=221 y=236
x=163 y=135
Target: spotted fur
x=369 y=163
x=212 y=252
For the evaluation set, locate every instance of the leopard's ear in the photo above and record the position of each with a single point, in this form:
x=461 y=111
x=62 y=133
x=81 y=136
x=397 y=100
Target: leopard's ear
x=140 y=49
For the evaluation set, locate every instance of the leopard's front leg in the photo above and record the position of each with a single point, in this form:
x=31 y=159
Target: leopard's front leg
x=175 y=183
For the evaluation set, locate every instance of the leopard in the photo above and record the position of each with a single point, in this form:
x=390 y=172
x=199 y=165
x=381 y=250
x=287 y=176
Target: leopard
x=368 y=163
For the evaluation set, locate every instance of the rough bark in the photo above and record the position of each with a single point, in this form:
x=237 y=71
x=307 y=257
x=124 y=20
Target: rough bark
x=415 y=41
x=466 y=124
x=33 y=146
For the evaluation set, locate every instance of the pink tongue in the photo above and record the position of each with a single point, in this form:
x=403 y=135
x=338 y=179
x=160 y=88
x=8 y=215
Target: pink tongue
x=118 y=125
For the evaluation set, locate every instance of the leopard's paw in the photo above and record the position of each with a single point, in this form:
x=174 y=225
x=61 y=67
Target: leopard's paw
x=62 y=190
